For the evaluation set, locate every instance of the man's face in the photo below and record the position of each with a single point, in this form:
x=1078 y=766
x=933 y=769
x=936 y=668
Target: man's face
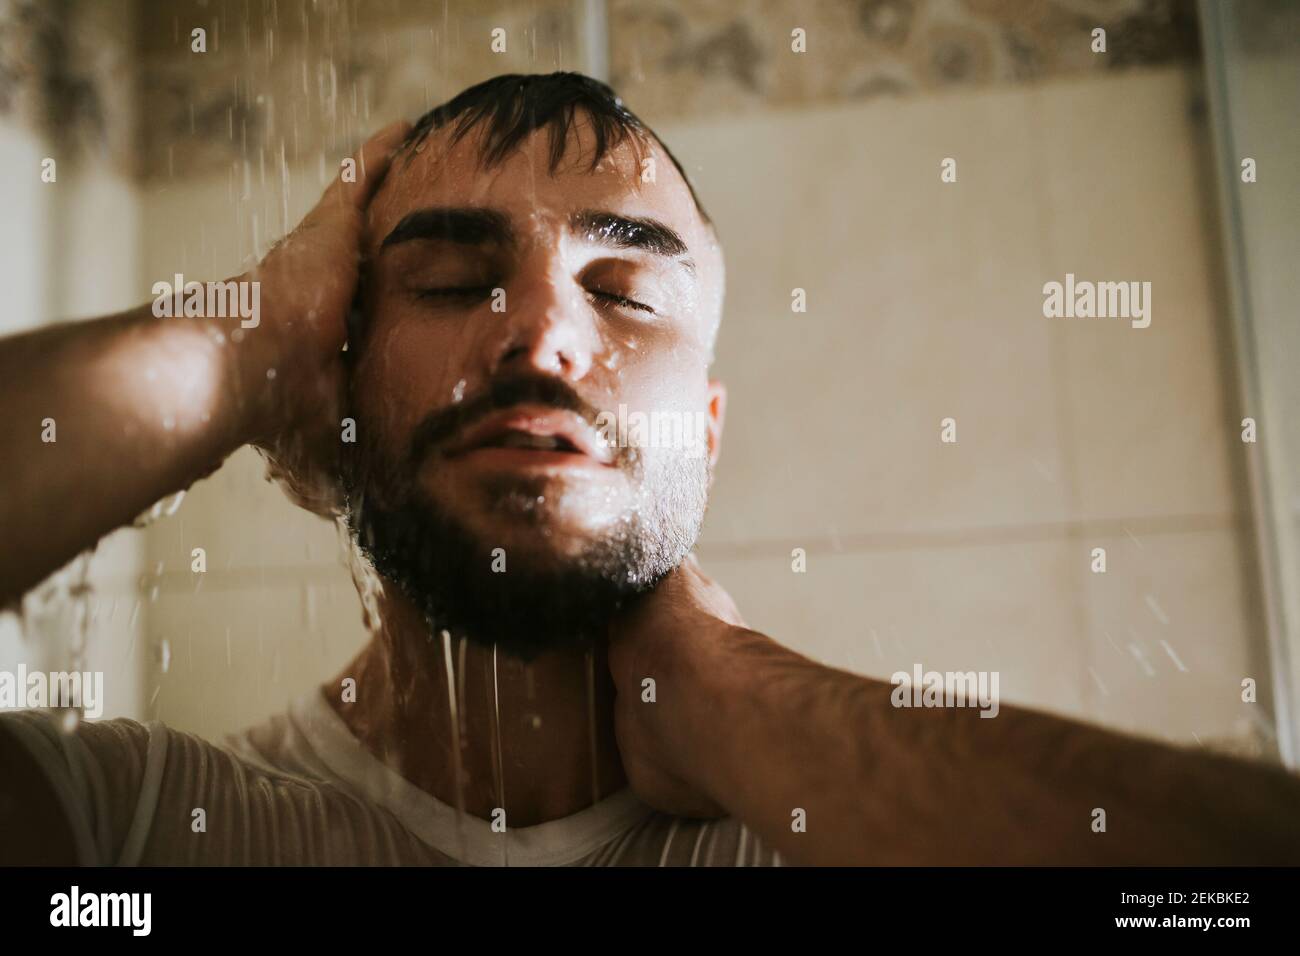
x=506 y=308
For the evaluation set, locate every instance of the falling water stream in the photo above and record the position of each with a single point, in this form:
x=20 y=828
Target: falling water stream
x=496 y=756
x=591 y=724
x=456 y=769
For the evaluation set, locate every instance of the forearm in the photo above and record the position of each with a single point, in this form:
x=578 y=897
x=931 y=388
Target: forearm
x=884 y=785
x=100 y=420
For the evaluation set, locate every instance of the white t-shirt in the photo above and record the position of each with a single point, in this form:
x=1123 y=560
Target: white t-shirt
x=300 y=789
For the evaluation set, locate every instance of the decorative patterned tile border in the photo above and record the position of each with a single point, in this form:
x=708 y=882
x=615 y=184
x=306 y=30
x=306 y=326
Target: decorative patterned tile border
x=293 y=81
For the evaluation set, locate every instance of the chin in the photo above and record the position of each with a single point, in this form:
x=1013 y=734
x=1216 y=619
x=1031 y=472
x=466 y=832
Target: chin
x=554 y=507
x=536 y=534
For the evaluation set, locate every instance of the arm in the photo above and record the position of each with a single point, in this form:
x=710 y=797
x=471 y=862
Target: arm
x=142 y=407
x=138 y=407
x=759 y=730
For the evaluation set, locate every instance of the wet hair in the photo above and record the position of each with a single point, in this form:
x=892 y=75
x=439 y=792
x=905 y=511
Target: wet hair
x=513 y=106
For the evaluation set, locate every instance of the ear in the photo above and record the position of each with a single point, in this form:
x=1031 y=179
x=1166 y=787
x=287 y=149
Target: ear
x=717 y=415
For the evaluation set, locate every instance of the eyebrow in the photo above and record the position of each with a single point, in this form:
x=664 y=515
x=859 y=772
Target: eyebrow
x=629 y=232
x=468 y=225
x=474 y=226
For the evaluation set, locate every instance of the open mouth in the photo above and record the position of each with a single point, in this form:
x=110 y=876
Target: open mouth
x=552 y=435
x=514 y=439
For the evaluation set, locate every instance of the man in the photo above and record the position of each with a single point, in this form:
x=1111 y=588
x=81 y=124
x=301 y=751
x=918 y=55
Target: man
x=551 y=679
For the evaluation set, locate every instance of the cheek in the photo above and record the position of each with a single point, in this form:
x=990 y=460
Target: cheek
x=660 y=404
x=661 y=373
x=408 y=370
x=413 y=365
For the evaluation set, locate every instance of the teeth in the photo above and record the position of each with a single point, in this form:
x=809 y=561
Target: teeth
x=524 y=440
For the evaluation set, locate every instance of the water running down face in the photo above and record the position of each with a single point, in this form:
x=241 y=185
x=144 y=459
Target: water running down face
x=480 y=486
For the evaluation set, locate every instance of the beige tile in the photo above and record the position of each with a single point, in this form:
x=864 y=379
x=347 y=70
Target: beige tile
x=1150 y=426
x=243 y=522
x=238 y=656
x=923 y=303
x=1171 y=632
x=1006 y=608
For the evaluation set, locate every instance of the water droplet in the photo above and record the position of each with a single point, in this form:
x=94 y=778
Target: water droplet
x=458 y=393
x=369 y=585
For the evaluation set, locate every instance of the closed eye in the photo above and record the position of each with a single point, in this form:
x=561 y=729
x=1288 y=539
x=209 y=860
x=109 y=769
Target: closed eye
x=621 y=300
x=473 y=293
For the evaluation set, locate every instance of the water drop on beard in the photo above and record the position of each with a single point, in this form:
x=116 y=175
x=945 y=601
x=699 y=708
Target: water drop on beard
x=368 y=583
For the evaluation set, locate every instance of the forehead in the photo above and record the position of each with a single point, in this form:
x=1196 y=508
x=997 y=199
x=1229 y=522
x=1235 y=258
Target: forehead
x=525 y=188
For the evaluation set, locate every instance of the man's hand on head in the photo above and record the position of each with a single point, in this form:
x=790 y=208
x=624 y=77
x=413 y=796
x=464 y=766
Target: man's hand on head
x=290 y=370
x=670 y=636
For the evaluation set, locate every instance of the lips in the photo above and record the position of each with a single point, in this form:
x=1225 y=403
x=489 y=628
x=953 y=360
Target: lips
x=545 y=432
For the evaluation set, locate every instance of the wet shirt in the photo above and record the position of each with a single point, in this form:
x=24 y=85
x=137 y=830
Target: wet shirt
x=301 y=790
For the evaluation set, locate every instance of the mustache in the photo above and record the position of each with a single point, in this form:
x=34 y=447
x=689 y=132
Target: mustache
x=445 y=423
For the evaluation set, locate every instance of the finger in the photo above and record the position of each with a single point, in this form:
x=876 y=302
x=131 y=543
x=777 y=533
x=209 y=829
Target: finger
x=373 y=159
x=361 y=175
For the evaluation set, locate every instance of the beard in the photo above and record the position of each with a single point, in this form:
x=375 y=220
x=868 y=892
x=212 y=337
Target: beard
x=533 y=599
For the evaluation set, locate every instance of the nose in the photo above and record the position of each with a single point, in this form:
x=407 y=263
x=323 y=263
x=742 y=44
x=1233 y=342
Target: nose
x=548 y=328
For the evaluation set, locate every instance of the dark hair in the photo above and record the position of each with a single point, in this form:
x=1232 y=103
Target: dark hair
x=514 y=105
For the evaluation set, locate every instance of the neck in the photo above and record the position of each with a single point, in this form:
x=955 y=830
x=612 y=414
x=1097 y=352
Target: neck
x=536 y=738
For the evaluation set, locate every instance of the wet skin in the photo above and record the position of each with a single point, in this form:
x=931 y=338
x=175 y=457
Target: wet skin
x=620 y=325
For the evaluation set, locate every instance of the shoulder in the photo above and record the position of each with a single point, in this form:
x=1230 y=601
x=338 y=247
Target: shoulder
x=76 y=781
x=133 y=793
x=263 y=797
